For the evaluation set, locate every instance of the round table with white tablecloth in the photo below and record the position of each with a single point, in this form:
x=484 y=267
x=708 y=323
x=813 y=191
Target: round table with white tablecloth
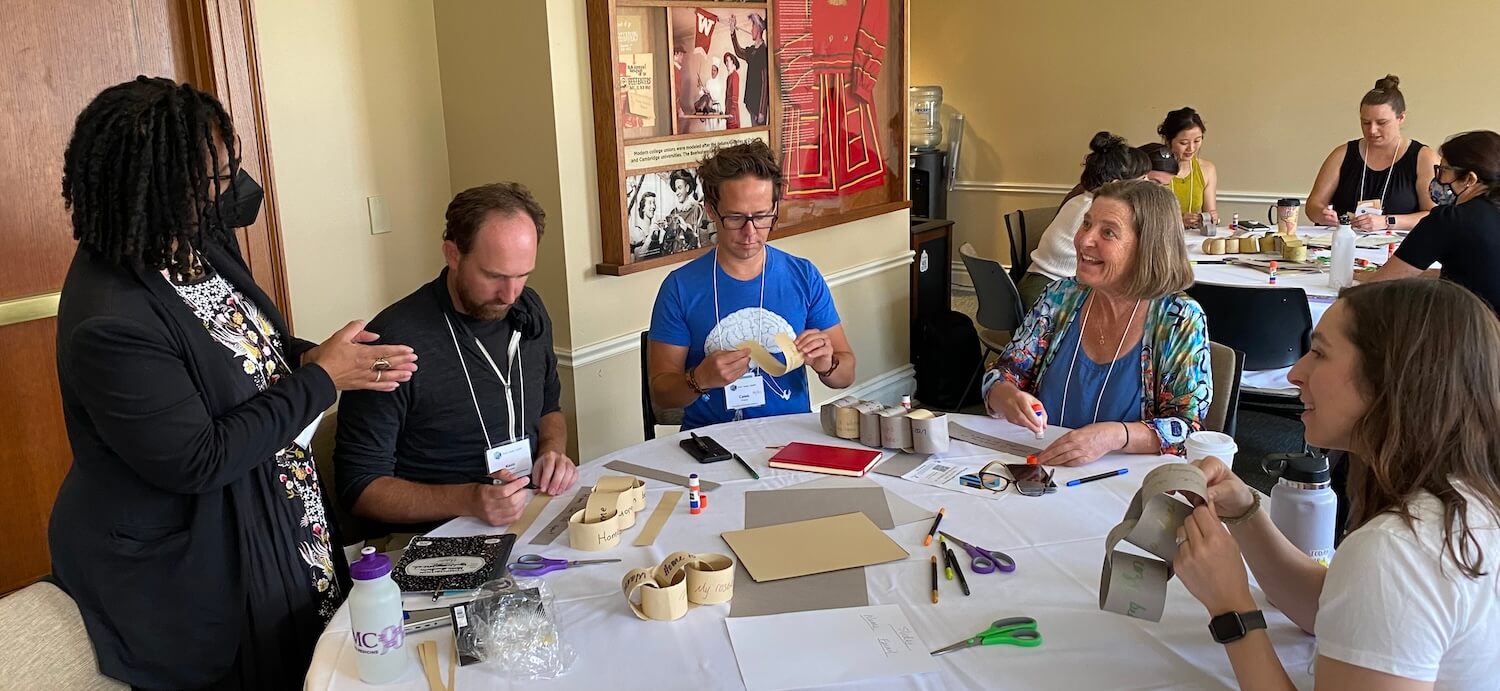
x=1208 y=269
x=1057 y=541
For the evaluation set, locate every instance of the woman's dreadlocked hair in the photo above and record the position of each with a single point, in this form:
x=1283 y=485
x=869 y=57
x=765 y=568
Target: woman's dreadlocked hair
x=137 y=171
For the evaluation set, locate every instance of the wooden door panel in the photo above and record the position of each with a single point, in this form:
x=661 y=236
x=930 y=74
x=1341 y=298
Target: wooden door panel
x=34 y=453
x=54 y=57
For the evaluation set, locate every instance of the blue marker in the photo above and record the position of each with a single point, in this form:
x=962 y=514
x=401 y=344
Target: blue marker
x=1100 y=476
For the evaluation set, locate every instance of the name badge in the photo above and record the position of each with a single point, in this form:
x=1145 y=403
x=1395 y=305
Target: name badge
x=512 y=456
x=749 y=391
x=1368 y=207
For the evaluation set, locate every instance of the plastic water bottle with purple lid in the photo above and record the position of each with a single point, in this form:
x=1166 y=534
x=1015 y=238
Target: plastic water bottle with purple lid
x=375 y=614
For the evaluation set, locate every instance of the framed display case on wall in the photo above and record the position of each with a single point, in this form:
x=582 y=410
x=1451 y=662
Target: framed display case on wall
x=823 y=82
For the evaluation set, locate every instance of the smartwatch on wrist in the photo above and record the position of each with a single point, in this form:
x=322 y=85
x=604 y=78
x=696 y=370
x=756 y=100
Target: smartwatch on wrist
x=1232 y=626
x=1390 y=222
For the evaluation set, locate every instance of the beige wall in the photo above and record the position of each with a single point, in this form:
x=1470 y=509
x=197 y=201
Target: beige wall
x=354 y=110
x=1277 y=82
x=418 y=100
x=521 y=109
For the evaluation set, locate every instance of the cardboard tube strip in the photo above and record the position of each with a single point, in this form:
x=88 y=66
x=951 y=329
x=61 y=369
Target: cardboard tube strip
x=1135 y=585
x=895 y=429
x=594 y=536
x=1267 y=243
x=829 y=414
x=602 y=504
x=682 y=580
x=869 y=422
x=633 y=487
x=929 y=433
x=768 y=362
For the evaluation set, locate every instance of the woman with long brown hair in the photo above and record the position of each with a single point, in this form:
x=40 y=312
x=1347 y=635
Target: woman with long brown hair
x=1405 y=376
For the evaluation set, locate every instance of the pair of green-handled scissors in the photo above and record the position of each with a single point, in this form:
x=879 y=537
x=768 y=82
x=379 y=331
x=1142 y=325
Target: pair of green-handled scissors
x=1019 y=631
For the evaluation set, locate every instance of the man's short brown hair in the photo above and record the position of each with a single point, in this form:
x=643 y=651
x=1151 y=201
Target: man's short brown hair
x=752 y=158
x=473 y=206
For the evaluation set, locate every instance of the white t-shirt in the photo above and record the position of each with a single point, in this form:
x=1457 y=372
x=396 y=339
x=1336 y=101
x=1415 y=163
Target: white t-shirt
x=1393 y=602
x=1054 y=256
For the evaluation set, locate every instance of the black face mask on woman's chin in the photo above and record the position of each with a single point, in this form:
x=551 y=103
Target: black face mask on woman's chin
x=238 y=204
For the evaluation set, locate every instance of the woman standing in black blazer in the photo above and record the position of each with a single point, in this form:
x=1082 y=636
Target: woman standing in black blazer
x=192 y=529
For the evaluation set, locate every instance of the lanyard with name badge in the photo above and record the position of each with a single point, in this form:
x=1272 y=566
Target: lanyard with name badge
x=749 y=390
x=513 y=455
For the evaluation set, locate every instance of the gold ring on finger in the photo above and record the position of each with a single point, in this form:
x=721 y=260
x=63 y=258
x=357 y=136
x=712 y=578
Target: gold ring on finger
x=378 y=374
x=381 y=365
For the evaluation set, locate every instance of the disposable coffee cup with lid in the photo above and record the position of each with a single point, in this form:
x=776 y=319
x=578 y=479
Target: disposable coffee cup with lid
x=1216 y=444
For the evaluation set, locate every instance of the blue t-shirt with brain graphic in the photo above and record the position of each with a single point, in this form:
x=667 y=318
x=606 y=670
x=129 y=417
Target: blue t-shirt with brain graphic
x=796 y=299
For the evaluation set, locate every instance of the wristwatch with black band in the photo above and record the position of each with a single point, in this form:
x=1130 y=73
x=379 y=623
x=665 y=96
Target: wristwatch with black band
x=1232 y=626
x=1390 y=222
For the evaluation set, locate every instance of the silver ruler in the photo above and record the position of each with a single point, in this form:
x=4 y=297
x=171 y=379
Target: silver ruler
x=964 y=434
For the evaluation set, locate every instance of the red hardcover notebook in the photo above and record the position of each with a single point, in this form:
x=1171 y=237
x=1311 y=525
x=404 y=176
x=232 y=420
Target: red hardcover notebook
x=833 y=460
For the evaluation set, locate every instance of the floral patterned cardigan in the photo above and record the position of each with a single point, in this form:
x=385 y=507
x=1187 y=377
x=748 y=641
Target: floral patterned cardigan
x=1176 y=375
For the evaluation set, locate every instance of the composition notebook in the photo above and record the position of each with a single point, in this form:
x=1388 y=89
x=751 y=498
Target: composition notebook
x=833 y=460
x=452 y=563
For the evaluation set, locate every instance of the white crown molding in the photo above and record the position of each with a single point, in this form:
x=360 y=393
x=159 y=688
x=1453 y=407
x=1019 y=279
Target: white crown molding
x=573 y=358
x=1040 y=188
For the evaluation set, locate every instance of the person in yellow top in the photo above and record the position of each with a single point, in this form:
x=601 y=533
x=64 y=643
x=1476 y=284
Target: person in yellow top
x=1197 y=181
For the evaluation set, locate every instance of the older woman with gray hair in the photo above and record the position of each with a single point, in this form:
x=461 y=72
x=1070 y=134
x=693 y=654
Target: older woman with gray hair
x=1118 y=354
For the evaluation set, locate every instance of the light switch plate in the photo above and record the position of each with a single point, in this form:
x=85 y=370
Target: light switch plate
x=380 y=215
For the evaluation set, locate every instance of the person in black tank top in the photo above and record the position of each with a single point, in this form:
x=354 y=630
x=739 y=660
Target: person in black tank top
x=1395 y=185
x=1382 y=166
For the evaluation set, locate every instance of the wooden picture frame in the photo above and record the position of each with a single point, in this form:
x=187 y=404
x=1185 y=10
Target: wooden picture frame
x=647 y=159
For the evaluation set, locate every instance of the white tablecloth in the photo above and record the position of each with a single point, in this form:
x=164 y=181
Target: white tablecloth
x=1319 y=294
x=1057 y=540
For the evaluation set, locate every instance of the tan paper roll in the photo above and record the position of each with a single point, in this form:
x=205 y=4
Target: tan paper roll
x=869 y=422
x=895 y=429
x=1135 y=585
x=633 y=487
x=929 y=432
x=1208 y=246
x=1267 y=243
x=1218 y=245
x=829 y=414
x=594 y=536
x=682 y=580
x=768 y=362
x=1248 y=245
x=602 y=503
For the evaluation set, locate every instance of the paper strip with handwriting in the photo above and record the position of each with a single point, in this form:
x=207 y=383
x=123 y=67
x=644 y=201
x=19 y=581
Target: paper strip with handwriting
x=804 y=649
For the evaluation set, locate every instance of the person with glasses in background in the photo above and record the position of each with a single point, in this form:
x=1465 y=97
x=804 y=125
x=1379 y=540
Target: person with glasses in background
x=1164 y=165
x=1463 y=231
x=1382 y=177
x=743 y=290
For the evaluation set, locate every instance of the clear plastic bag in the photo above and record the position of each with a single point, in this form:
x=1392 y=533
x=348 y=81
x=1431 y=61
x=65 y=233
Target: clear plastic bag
x=513 y=630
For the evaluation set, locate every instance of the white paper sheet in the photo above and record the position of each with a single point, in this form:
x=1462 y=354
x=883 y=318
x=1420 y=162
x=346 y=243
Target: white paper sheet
x=804 y=649
x=944 y=474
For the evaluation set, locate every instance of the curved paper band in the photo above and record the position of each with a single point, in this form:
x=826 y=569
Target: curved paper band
x=768 y=362
x=929 y=432
x=895 y=428
x=682 y=580
x=1135 y=585
x=869 y=422
x=829 y=415
x=1248 y=245
x=633 y=487
x=597 y=535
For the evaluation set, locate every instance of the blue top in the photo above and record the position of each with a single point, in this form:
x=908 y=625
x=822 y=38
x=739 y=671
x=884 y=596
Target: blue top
x=796 y=299
x=1119 y=399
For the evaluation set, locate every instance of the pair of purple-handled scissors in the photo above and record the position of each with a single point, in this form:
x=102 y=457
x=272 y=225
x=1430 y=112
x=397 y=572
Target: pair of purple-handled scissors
x=536 y=564
x=984 y=560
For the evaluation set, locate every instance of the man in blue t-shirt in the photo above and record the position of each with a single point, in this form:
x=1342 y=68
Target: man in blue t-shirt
x=744 y=290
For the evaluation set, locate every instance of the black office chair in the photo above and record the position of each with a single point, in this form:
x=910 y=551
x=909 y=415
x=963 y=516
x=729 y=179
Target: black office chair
x=999 y=313
x=1271 y=326
x=651 y=414
x=1024 y=228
